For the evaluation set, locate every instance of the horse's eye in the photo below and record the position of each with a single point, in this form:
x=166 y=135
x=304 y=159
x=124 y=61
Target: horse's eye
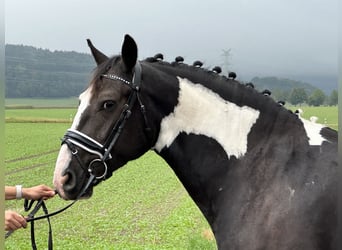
x=108 y=105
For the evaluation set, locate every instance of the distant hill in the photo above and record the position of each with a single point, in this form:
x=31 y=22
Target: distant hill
x=35 y=72
x=327 y=83
x=274 y=83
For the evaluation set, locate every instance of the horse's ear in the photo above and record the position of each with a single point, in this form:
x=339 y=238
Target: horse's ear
x=129 y=52
x=98 y=55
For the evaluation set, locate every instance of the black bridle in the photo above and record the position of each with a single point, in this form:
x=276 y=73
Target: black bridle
x=74 y=138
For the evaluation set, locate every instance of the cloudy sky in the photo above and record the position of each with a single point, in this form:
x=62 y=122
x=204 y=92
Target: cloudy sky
x=286 y=38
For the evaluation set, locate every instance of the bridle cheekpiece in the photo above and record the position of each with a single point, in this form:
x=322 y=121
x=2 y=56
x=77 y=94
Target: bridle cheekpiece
x=73 y=138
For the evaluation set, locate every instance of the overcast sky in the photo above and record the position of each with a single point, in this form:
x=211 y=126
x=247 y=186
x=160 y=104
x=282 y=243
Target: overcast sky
x=265 y=37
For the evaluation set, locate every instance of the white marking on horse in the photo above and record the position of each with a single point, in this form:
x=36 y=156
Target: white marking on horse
x=62 y=162
x=64 y=156
x=201 y=111
x=84 y=103
x=313 y=132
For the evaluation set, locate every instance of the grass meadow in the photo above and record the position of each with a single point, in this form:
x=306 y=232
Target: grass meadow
x=326 y=115
x=41 y=102
x=142 y=206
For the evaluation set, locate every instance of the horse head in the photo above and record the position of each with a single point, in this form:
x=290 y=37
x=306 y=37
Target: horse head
x=97 y=142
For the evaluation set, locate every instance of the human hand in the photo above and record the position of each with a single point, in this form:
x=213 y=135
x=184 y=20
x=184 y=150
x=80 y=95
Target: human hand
x=14 y=221
x=38 y=192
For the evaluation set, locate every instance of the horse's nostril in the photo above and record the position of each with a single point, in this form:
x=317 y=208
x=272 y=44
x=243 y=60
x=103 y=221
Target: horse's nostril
x=70 y=183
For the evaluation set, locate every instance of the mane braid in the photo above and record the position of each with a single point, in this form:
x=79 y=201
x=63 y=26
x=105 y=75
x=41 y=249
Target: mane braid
x=208 y=74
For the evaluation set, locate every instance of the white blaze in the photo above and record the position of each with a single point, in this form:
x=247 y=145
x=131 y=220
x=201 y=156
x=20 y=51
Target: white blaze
x=64 y=156
x=201 y=111
x=62 y=162
x=84 y=103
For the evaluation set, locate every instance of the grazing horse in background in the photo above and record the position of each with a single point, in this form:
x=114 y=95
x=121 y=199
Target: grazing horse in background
x=263 y=177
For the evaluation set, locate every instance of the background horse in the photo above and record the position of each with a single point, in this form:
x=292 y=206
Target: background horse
x=263 y=177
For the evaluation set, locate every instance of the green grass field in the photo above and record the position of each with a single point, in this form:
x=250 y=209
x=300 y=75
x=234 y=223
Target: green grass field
x=42 y=115
x=326 y=115
x=41 y=102
x=142 y=206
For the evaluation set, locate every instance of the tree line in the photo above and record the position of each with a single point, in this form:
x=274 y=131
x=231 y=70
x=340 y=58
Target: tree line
x=32 y=72
x=300 y=96
x=295 y=92
x=35 y=72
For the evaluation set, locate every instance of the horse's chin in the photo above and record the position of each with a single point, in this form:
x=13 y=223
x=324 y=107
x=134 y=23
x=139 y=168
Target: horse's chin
x=87 y=194
x=67 y=196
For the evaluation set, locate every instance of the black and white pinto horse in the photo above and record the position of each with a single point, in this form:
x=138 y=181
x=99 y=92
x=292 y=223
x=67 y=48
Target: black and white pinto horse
x=263 y=177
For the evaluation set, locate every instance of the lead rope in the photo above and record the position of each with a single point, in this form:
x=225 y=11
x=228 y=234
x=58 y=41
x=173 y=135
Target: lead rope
x=41 y=204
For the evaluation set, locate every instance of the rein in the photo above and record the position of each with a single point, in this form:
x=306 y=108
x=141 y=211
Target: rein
x=41 y=204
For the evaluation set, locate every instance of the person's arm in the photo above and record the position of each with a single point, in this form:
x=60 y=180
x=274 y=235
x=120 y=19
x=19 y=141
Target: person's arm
x=32 y=193
x=10 y=192
x=38 y=192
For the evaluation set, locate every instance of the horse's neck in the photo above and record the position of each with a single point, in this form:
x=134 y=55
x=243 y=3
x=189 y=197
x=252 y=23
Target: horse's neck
x=203 y=133
x=207 y=166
